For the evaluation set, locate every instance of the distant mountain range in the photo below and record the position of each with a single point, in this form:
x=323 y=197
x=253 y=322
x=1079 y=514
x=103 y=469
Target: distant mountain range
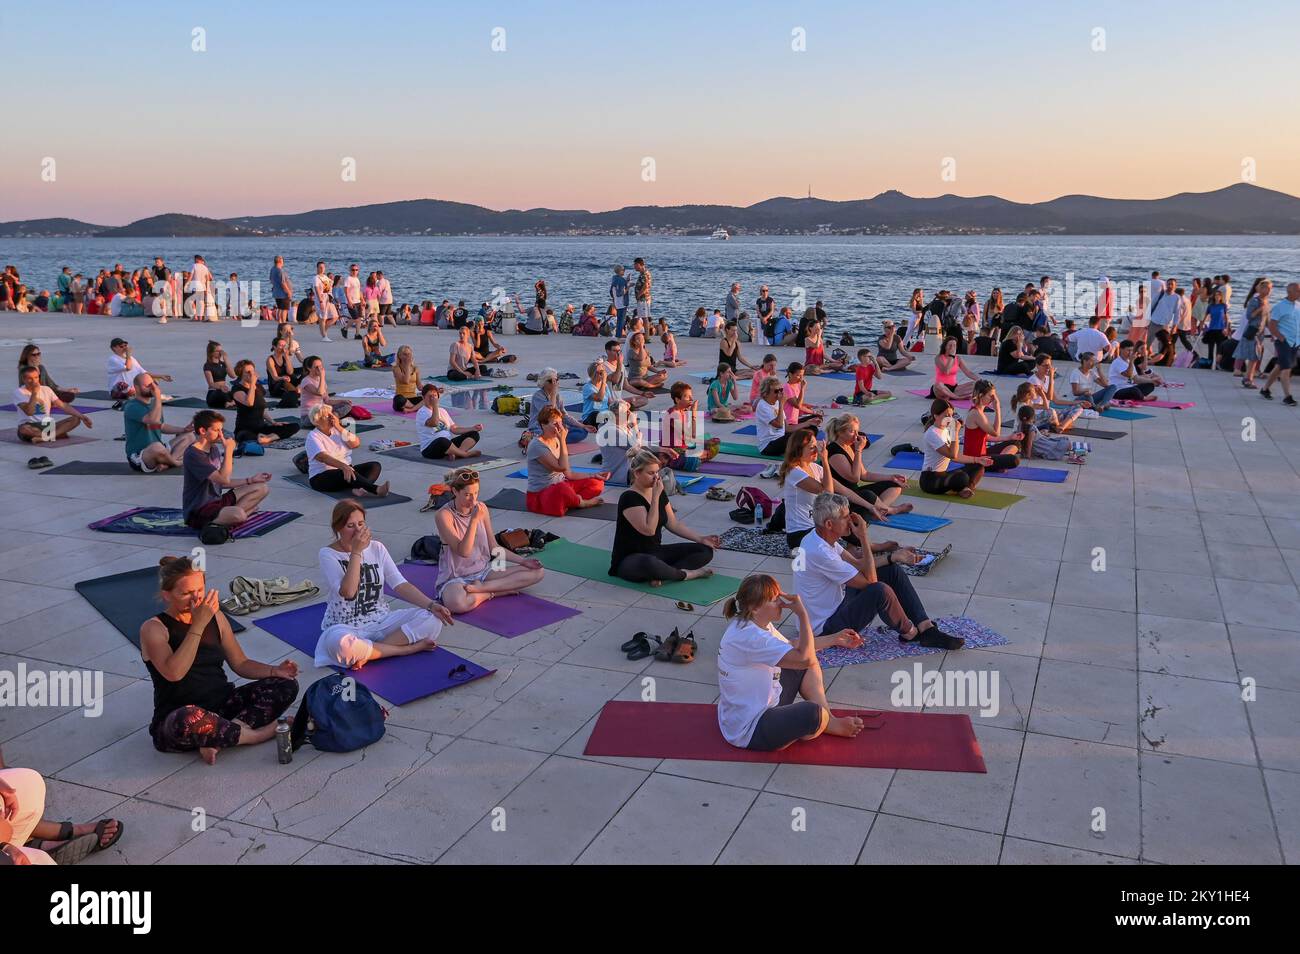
x=1240 y=209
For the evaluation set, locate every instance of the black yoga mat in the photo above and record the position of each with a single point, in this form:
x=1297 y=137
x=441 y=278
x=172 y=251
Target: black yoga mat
x=370 y=502
x=128 y=599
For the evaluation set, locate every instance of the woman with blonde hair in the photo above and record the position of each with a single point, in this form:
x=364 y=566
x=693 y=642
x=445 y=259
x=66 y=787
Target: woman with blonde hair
x=845 y=444
x=772 y=694
x=358 y=625
x=468 y=574
x=639 y=553
x=406 y=381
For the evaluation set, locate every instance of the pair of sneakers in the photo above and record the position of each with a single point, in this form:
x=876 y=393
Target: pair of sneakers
x=1289 y=401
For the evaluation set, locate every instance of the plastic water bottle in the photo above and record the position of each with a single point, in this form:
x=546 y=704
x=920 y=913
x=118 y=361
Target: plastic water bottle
x=758 y=517
x=283 y=747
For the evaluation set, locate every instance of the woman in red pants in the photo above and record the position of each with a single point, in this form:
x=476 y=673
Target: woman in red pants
x=553 y=489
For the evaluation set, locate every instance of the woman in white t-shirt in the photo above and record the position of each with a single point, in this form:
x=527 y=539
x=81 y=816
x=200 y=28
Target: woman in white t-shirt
x=358 y=624
x=942 y=449
x=438 y=434
x=761 y=675
x=806 y=472
x=329 y=458
x=772 y=430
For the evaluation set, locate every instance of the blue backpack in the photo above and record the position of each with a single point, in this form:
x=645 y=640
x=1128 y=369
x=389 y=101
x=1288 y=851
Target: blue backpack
x=342 y=713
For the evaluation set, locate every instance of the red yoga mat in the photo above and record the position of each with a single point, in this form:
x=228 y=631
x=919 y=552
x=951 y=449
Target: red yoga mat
x=686 y=730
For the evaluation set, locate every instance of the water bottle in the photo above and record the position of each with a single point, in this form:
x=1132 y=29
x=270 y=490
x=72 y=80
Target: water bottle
x=758 y=517
x=283 y=747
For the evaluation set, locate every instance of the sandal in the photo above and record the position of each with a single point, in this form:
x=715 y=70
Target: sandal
x=685 y=606
x=718 y=493
x=631 y=644
x=37 y=463
x=74 y=849
x=686 y=647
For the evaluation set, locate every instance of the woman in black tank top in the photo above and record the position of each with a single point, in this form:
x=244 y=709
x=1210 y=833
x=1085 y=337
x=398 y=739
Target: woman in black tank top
x=252 y=423
x=185 y=649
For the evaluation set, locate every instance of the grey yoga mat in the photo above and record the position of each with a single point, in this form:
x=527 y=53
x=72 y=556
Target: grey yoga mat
x=128 y=599
x=412 y=453
x=512 y=499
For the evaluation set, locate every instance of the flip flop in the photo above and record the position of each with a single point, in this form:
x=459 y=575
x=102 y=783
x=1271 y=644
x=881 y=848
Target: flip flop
x=100 y=827
x=75 y=850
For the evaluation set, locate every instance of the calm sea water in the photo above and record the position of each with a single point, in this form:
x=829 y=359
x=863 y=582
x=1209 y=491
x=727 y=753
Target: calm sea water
x=860 y=280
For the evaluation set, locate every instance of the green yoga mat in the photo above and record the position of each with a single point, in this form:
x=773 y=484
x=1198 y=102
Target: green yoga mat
x=991 y=499
x=593 y=564
x=743 y=450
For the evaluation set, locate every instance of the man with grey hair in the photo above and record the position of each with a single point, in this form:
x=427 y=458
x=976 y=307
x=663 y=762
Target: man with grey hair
x=731 y=307
x=845 y=589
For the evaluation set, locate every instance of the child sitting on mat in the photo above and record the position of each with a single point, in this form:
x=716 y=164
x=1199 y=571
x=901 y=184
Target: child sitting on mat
x=864 y=375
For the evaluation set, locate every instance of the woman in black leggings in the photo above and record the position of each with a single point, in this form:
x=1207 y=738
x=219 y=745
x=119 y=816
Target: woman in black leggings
x=447 y=439
x=252 y=423
x=639 y=554
x=329 y=458
x=942 y=441
x=984 y=422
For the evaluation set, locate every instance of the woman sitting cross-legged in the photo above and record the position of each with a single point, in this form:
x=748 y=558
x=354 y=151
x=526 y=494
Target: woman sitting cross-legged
x=195 y=707
x=316 y=392
x=845 y=588
x=358 y=625
x=253 y=422
x=639 y=553
x=845 y=443
x=946 y=365
x=802 y=477
x=472 y=568
x=217 y=372
x=406 y=381
x=438 y=434
x=548 y=395
x=553 y=488
x=329 y=458
x=941 y=451
x=462 y=362
x=985 y=421
x=772 y=430
x=772 y=694
x=622 y=433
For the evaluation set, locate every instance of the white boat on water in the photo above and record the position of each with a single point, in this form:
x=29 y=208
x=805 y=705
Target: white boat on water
x=720 y=235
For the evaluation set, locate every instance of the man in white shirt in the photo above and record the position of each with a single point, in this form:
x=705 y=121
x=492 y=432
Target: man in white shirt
x=201 y=288
x=1088 y=339
x=115 y=304
x=844 y=589
x=122 y=368
x=35 y=403
x=385 y=295
x=352 y=293
x=1164 y=311
x=1089 y=383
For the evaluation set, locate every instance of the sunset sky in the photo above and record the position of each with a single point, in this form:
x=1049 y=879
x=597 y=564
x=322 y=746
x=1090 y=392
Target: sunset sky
x=138 y=123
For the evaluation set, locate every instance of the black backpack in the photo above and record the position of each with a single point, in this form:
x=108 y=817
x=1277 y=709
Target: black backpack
x=214 y=535
x=426 y=549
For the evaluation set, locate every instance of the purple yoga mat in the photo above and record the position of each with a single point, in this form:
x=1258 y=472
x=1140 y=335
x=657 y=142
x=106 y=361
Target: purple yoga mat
x=399 y=679
x=507 y=616
x=728 y=468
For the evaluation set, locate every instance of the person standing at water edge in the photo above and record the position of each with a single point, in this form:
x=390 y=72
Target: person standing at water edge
x=618 y=298
x=643 y=295
x=1284 y=323
x=281 y=290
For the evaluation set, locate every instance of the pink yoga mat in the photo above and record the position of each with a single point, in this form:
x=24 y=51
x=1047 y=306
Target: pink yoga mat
x=1172 y=405
x=962 y=403
x=507 y=616
x=687 y=730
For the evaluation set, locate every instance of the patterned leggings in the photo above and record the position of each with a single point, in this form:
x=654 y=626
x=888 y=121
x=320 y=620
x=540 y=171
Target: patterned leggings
x=255 y=704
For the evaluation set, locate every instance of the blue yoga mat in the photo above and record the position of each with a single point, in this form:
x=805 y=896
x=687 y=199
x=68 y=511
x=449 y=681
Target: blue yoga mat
x=915 y=522
x=1047 y=475
x=1114 y=413
x=699 y=484
x=399 y=679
